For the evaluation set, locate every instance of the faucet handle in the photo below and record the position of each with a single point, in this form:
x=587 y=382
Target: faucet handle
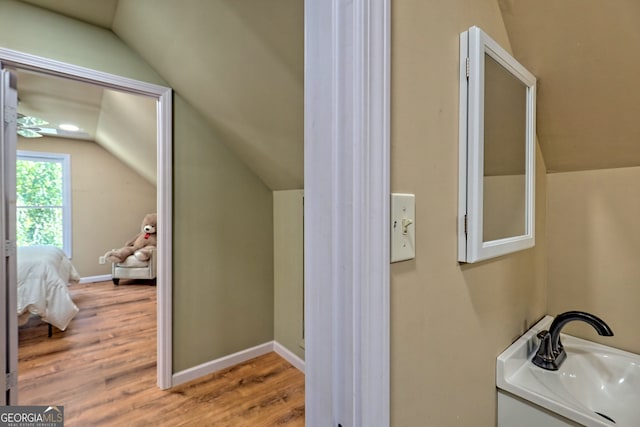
x=544 y=348
x=542 y=334
x=544 y=357
x=559 y=348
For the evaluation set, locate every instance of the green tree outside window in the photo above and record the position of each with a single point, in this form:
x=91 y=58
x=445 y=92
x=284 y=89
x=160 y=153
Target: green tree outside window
x=40 y=201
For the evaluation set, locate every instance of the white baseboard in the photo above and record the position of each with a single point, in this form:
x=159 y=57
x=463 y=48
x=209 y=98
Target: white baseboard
x=221 y=363
x=93 y=279
x=234 y=359
x=289 y=356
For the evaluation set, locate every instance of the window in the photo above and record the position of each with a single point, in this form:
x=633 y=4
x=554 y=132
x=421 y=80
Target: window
x=43 y=205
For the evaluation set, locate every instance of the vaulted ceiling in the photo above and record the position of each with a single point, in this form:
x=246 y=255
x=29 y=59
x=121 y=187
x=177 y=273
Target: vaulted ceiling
x=240 y=63
x=122 y=123
x=585 y=56
x=100 y=13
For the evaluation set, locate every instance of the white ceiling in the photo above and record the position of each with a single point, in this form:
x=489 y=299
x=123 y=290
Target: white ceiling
x=122 y=123
x=58 y=101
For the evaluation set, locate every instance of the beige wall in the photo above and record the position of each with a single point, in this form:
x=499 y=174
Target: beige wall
x=108 y=200
x=223 y=230
x=448 y=321
x=288 y=265
x=593 y=242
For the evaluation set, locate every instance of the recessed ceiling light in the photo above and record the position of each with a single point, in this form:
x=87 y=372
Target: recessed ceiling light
x=69 y=127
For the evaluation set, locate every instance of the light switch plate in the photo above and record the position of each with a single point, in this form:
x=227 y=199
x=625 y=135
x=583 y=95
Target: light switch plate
x=403 y=227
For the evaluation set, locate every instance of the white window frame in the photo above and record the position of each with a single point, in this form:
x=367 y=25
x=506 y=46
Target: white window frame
x=65 y=160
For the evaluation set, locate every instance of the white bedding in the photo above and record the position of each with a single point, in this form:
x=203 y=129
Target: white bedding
x=44 y=273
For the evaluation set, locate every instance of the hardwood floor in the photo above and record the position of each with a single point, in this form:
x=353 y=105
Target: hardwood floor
x=102 y=369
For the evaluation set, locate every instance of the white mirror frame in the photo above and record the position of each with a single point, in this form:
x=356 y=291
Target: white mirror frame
x=474 y=44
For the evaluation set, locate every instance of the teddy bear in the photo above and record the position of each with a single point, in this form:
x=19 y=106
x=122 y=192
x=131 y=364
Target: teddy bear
x=141 y=245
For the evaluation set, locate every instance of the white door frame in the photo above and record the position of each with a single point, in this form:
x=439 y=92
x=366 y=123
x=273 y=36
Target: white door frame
x=8 y=267
x=163 y=95
x=347 y=188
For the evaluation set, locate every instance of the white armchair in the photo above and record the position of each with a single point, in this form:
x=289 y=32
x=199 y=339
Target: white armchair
x=133 y=268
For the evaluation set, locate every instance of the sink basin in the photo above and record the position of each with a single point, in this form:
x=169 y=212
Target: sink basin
x=596 y=385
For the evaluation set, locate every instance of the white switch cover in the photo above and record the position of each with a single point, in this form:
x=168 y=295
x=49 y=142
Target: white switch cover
x=403 y=227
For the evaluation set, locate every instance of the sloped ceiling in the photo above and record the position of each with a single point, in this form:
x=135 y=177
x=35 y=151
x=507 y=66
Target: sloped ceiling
x=585 y=55
x=100 y=12
x=124 y=124
x=238 y=62
x=57 y=100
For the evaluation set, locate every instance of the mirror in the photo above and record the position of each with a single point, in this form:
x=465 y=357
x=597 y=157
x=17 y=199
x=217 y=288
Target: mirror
x=497 y=151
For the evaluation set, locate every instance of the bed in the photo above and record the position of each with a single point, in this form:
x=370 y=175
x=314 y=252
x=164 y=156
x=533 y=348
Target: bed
x=44 y=273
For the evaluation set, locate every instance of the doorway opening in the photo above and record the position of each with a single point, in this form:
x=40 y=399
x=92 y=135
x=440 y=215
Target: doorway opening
x=162 y=96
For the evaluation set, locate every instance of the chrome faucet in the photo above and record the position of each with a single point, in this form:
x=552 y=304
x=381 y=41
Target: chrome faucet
x=551 y=354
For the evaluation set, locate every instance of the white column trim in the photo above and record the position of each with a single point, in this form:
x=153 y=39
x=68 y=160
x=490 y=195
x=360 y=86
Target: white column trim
x=347 y=104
